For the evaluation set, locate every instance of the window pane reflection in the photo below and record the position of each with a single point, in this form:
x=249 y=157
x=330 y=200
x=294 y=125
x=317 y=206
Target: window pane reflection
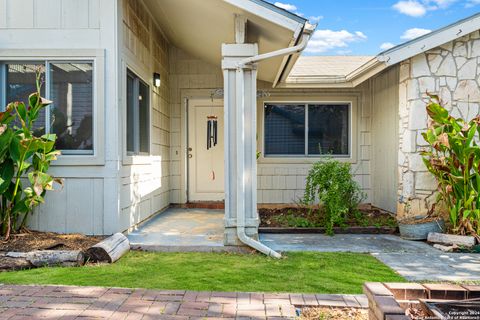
x=71 y=91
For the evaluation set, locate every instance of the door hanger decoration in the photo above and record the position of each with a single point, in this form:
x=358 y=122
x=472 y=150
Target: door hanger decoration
x=212 y=131
x=212 y=136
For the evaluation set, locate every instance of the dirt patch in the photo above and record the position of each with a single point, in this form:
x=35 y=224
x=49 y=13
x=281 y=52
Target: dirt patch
x=419 y=220
x=308 y=217
x=333 y=314
x=417 y=312
x=34 y=240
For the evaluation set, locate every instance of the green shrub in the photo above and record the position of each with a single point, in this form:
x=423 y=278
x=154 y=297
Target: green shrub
x=24 y=162
x=454 y=160
x=330 y=182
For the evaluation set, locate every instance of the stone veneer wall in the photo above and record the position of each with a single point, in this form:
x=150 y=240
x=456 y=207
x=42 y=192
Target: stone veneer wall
x=451 y=71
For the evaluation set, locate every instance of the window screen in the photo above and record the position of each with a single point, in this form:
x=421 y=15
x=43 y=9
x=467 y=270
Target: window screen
x=143 y=115
x=138 y=115
x=284 y=129
x=130 y=114
x=328 y=129
x=71 y=114
x=20 y=83
x=307 y=129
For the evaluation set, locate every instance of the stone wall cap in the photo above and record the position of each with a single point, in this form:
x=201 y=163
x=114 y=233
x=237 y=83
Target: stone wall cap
x=404 y=285
x=377 y=289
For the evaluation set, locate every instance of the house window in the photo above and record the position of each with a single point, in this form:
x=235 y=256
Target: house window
x=307 y=129
x=138 y=115
x=70 y=86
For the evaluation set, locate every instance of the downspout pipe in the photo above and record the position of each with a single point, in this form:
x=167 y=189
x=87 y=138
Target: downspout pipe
x=306 y=35
x=241 y=232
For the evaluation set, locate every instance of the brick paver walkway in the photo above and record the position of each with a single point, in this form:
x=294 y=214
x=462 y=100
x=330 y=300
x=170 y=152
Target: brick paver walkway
x=64 y=302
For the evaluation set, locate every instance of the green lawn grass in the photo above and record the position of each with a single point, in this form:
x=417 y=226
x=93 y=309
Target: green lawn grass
x=296 y=272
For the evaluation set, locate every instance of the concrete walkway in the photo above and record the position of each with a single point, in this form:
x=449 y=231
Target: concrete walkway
x=64 y=302
x=414 y=260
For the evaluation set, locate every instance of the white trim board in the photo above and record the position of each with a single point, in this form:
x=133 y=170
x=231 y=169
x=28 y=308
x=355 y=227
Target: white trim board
x=430 y=40
x=269 y=12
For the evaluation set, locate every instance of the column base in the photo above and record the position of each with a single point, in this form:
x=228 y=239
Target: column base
x=230 y=235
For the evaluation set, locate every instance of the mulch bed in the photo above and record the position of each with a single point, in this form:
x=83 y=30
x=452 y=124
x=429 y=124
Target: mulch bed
x=296 y=219
x=333 y=314
x=34 y=240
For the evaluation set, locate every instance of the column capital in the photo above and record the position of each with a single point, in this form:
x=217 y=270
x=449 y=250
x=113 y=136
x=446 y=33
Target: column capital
x=243 y=50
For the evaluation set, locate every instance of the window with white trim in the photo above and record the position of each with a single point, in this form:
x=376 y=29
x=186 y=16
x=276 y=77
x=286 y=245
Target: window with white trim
x=138 y=115
x=313 y=129
x=69 y=84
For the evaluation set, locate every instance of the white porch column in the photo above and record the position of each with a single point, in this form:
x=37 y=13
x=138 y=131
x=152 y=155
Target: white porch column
x=240 y=100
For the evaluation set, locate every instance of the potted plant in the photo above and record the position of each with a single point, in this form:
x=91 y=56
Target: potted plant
x=418 y=227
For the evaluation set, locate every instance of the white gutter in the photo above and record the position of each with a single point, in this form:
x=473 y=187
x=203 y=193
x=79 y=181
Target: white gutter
x=241 y=234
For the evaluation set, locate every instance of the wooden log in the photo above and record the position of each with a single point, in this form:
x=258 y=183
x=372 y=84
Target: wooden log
x=34 y=259
x=56 y=258
x=14 y=262
x=450 y=239
x=110 y=249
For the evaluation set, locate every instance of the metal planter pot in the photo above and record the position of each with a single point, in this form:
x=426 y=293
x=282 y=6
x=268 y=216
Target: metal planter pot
x=420 y=231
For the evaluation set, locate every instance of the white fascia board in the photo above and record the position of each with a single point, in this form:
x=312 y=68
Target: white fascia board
x=379 y=67
x=315 y=85
x=288 y=61
x=280 y=17
x=430 y=40
x=281 y=69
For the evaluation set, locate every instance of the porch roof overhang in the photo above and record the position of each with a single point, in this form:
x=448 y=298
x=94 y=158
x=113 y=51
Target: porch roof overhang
x=349 y=78
x=201 y=27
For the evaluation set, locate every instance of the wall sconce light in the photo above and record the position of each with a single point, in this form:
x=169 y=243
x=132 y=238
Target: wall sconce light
x=156 y=80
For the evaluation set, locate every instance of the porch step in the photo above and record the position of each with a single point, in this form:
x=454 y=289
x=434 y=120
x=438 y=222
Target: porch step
x=213 y=205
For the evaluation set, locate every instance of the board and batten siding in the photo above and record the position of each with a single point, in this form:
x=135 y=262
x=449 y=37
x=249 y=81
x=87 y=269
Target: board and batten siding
x=78 y=208
x=145 y=179
x=50 y=14
x=63 y=29
x=385 y=139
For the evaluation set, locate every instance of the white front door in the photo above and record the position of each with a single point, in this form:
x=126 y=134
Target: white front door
x=205 y=166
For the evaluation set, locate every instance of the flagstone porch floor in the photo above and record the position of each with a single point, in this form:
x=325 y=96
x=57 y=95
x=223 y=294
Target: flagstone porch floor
x=182 y=229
